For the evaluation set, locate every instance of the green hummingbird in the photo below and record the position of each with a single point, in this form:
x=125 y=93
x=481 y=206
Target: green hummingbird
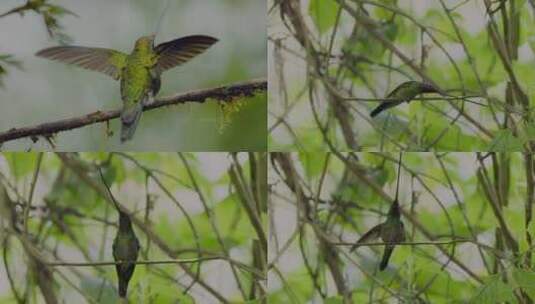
x=405 y=92
x=390 y=231
x=139 y=71
x=125 y=246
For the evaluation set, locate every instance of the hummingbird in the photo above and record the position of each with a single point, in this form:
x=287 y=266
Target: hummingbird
x=125 y=247
x=139 y=72
x=405 y=92
x=390 y=231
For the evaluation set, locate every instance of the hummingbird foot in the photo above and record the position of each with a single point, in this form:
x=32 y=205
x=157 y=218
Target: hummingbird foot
x=149 y=100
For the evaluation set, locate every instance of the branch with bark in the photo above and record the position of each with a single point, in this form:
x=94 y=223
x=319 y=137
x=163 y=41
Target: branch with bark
x=223 y=94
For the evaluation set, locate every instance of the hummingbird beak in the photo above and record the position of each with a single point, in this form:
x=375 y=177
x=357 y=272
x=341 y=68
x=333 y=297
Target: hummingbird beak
x=152 y=37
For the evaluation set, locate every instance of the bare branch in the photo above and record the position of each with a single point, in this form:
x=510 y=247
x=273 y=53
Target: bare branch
x=222 y=94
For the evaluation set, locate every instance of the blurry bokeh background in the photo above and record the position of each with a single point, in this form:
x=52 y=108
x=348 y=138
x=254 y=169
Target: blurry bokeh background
x=45 y=91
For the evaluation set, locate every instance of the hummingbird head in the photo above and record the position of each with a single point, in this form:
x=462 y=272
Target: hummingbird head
x=145 y=43
x=125 y=224
x=428 y=88
x=394 y=209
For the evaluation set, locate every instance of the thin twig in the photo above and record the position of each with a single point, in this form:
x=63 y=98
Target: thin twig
x=152 y=262
x=32 y=191
x=455 y=241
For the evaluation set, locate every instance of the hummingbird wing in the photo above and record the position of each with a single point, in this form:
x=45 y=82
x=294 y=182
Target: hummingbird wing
x=109 y=62
x=178 y=51
x=372 y=234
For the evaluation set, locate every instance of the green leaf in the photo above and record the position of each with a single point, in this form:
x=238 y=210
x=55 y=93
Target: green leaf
x=494 y=291
x=233 y=224
x=99 y=290
x=385 y=14
x=21 y=164
x=313 y=163
x=296 y=289
x=7 y=300
x=152 y=287
x=323 y=13
x=392 y=125
x=505 y=141
x=526 y=280
x=334 y=300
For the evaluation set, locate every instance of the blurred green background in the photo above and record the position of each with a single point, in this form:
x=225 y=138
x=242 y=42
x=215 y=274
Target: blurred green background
x=45 y=91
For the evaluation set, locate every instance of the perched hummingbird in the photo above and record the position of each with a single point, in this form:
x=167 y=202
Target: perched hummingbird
x=139 y=72
x=390 y=231
x=125 y=245
x=125 y=248
x=405 y=92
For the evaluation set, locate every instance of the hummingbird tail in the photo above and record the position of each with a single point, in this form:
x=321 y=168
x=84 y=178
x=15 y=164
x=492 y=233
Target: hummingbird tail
x=130 y=118
x=383 y=106
x=386 y=256
x=123 y=285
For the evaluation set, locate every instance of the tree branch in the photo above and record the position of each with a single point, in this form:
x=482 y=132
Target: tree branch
x=222 y=94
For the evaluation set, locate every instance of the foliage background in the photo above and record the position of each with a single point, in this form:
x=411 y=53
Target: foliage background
x=321 y=204
x=473 y=48
x=69 y=221
x=46 y=91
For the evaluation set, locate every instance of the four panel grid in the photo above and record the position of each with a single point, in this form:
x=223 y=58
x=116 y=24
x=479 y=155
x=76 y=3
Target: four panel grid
x=279 y=151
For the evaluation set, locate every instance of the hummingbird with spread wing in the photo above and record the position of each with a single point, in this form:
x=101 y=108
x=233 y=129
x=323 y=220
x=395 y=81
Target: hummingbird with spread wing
x=405 y=92
x=138 y=72
x=125 y=247
x=390 y=231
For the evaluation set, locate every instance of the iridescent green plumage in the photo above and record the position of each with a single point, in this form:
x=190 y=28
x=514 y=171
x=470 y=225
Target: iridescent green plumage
x=137 y=87
x=390 y=231
x=139 y=71
x=405 y=92
x=125 y=249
